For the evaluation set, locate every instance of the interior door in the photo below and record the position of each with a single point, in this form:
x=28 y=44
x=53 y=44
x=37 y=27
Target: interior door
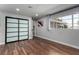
x=23 y=29
x=12 y=29
x=16 y=29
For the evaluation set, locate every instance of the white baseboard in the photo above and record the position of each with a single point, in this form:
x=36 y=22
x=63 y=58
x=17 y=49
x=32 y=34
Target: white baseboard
x=73 y=46
x=1 y=43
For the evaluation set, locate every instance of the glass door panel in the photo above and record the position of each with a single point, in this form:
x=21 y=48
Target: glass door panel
x=23 y=29
x=12 y=30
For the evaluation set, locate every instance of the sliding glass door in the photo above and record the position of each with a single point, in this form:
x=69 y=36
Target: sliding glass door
x=23 y=29
x=16 y=29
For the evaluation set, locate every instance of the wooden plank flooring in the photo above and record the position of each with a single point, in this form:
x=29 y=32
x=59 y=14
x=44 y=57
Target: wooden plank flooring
x=37 y=46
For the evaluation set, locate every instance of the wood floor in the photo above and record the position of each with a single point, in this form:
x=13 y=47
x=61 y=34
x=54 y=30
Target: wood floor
x=37 y=46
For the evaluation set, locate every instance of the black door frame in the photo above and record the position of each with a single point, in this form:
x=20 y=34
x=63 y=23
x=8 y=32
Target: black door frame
x=18 y=28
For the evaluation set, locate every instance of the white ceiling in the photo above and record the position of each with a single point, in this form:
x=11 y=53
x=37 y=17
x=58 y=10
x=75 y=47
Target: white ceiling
x=41 y=9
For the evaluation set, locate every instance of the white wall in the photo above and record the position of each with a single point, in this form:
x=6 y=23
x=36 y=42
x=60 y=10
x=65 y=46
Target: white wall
x=2 y=25
x=64 y=36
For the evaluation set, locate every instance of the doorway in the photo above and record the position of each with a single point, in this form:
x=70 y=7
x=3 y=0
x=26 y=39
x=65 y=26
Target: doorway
x=16 y=29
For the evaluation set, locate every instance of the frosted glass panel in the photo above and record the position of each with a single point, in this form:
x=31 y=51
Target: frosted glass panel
x=23 y=37
x=23 y=29
x=12 y=25
x=12 y=29
x=12 y=20
x=23 y=25
x=23 y=21
x=12 y=39
x=12 y=34
x=23 y=33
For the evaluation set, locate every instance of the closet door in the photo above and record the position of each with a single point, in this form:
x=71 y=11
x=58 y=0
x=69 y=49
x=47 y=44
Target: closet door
x=11 y=29
x=23 y=29
x=16 y=29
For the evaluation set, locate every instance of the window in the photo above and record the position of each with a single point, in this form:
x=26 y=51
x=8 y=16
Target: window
x=69 y=21
x=62 y=22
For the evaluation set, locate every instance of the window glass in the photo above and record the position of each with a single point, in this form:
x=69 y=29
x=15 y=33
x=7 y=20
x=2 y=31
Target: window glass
x=67 y=17
x=67 y=21
x=75 y=21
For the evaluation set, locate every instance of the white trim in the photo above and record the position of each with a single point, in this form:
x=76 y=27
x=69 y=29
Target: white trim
x=73 y=46
x=1 y=43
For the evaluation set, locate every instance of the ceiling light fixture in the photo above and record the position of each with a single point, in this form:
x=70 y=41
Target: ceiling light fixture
x=17 y=9
x=36 y=14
